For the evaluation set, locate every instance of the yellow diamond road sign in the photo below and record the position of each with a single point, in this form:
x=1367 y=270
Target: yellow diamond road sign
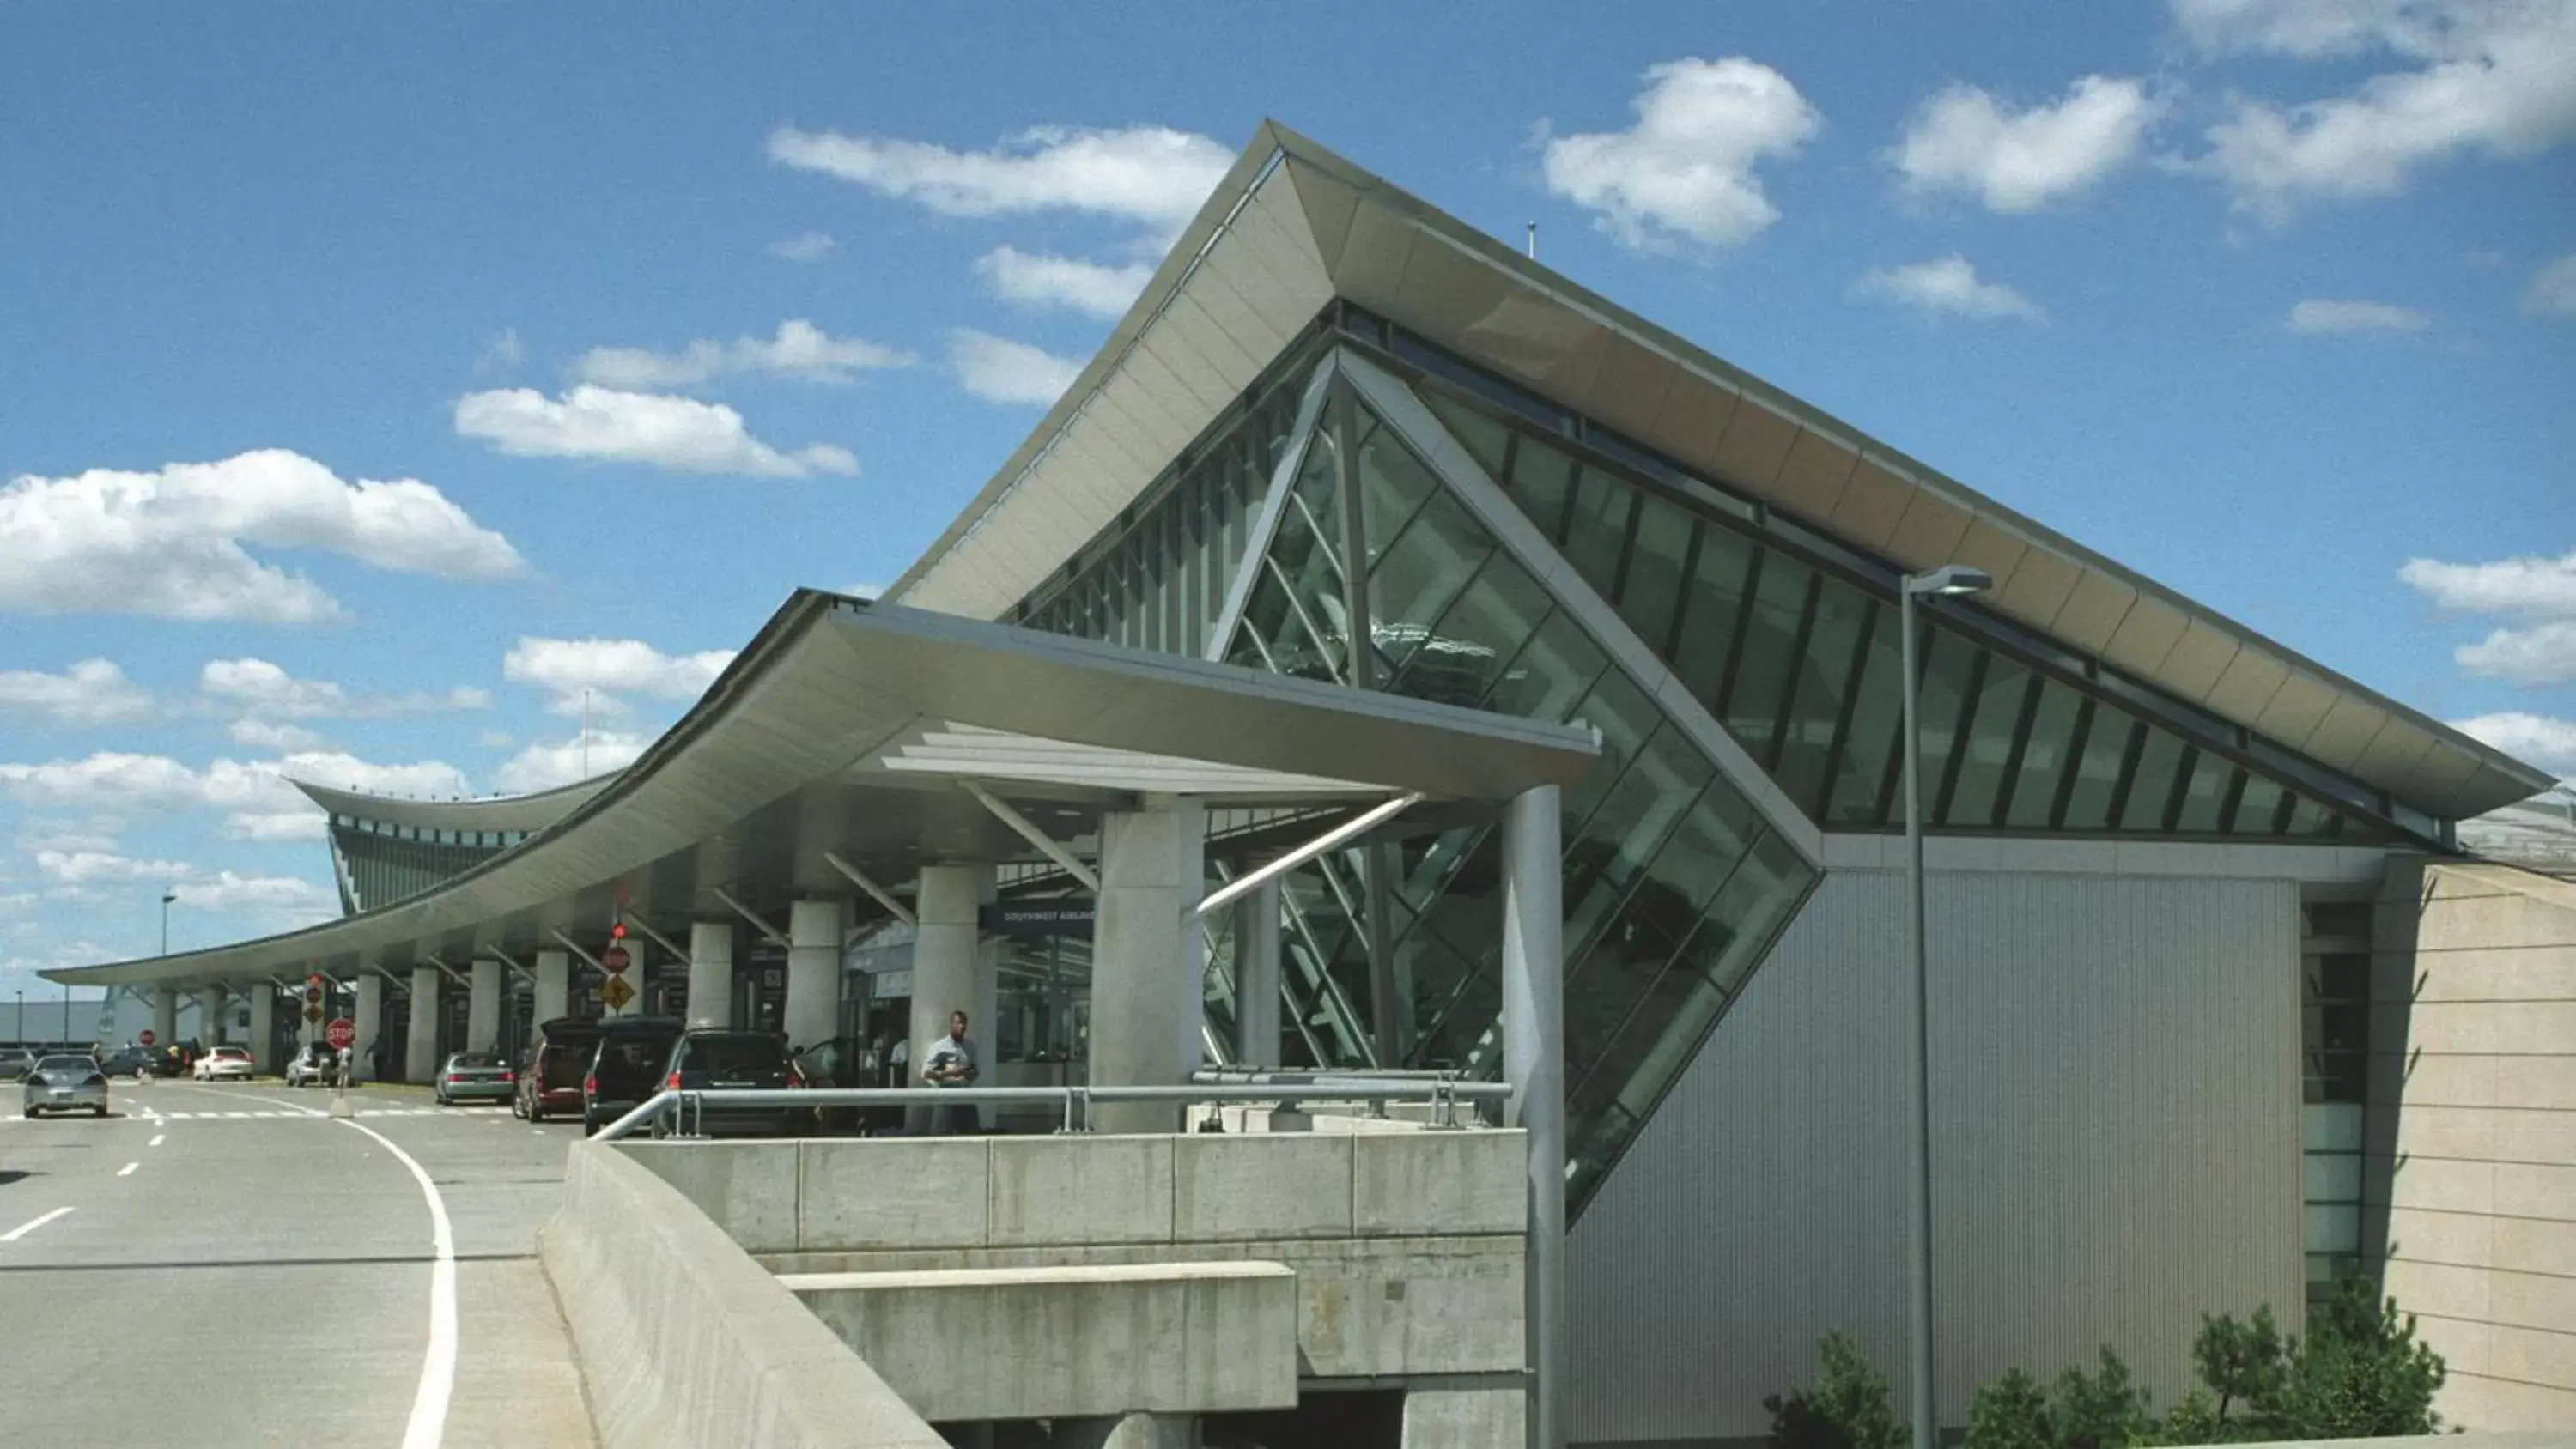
x=616 y=993
x=312 y=1013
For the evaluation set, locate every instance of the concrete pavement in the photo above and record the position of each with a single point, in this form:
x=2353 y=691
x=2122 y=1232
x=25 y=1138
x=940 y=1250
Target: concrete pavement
x=229 y=1263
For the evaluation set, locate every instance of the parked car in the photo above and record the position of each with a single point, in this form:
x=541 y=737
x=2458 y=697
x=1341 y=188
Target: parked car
x=474 y=1077
x=133 y=1061
x=65 y=1083
x=712 y=1061
x=224 y=1064
x=313 y=1063
x=626 y=1067
x=550 y=1077
x=16 y=1063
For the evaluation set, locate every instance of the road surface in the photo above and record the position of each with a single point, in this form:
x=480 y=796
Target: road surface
x=226 y=1264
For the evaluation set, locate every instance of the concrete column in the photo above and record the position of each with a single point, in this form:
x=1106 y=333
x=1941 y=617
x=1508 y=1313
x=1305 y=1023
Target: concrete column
x=1256 y=977
x=1534 y=1064
x=210 y=1016
x=813 y=1008
x=420 y=1045
x=1130 y=1431
x=1148 y=959
x=711 y=973
x=371 y=1025
x=165 y=1016
x=948 y=965
x=483 y=1006
x=1465 y=1418
x=554 y=985
x=263 y=1029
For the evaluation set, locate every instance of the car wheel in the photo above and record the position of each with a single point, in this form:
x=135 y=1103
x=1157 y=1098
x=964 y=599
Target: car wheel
x=27 y=1112
x=98 y=1111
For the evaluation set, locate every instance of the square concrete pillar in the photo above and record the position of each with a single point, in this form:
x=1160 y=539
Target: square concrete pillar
x=371 y=1026
x=483 y=1006
x=211 y=1004
x=1148 y=958
x=1534 y=1064
x=554 y=985
x=812 y=1012
x=950 y=969
x=420 y=1044
x=1256 y=977
x=263 y=1029
x=710 y=973
x=165 y=1016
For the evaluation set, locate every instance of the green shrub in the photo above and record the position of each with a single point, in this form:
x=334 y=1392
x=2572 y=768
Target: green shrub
x=2010 y=1413
x=2362 y=1375
x=1846 y=1407
x=2102 y=1411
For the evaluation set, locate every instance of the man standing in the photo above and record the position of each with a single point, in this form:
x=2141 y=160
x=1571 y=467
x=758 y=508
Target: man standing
x=950 y=1062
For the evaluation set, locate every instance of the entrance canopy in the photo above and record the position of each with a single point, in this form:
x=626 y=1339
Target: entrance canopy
x=847 y=734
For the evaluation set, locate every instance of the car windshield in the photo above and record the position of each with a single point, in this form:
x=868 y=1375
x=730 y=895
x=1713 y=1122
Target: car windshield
x=66 y=1064
x=229 y=1054
x=475 y=1059
x=747 y=1052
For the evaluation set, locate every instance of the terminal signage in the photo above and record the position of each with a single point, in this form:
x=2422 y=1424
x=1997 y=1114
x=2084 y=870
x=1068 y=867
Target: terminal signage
x=1070 y=916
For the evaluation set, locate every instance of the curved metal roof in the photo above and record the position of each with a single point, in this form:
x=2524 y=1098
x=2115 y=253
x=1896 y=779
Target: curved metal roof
x=1293 y=226
x=841 y=730
x=528 y=812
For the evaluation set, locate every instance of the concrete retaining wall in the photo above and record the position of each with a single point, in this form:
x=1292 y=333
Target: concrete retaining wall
x=685 y=1341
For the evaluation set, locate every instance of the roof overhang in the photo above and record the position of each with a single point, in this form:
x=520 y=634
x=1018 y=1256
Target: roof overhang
x=843 y=731
x=1293 y=226
x=528 y=812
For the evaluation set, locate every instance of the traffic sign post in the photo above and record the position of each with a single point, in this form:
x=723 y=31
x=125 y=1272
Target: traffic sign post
x=340 y=1035
x=614 y=960
x=145 y=1036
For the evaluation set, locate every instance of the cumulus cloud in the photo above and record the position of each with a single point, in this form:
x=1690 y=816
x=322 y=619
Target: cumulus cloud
x=2542 y=654
x=805 y=246
x=1948 y=285
x=259 y=685
x=91 y=867
x=273 y=825
x=546 y=764
x=1038 y=280
x=1000 y=370
x=1964 y=140
x=609 y=669
x=176 y=543
x=91 y=692
x=273 y=895
x=260 y=734
x=604 y=424
x=2483 y=76
x=1683 y=175
x=1149 y=174
x=2531 y=586
x=2552 y=292
x=2549 y=743
x=801 y=351
x=121 y=784
x=2318 y=317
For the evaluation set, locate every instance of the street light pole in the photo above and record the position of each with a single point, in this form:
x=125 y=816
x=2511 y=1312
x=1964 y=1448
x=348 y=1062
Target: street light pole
x=167 y=897
x=1950 y=581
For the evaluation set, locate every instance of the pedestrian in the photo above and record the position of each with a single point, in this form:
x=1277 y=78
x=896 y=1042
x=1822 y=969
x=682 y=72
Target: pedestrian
x=950 y=1062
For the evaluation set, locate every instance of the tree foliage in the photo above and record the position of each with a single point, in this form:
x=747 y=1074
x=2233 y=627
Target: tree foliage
x=1845 y=1408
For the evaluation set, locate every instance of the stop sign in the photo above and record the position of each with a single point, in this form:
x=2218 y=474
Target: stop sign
x=613 y=960
x=144 y=1036
x=342 y=1033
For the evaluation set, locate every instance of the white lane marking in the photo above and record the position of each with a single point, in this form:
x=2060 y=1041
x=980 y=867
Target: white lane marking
x=23 y=1229
x=128 y=1169
x=155 y=1142
x=438 y=1365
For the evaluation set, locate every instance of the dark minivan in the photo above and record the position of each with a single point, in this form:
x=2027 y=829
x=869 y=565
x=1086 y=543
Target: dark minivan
x=712 y=1060
x=626 y=1067
x=550 y=1079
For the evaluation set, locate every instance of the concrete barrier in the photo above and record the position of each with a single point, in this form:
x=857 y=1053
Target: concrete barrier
x=685 y=1341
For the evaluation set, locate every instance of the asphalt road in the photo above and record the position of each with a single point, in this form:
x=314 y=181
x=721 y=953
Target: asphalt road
x=226 y=1264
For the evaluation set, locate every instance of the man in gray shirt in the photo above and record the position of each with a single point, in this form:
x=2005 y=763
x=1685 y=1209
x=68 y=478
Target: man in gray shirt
x=950 y=1062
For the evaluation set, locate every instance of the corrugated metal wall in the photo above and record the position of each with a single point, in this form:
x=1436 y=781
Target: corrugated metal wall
x=2116 y=1141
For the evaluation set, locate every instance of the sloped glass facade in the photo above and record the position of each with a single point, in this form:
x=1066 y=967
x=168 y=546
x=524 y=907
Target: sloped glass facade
x=379 y=862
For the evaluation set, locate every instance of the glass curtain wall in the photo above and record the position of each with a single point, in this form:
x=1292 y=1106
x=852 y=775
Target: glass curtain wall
x=380 y=863
x=1801 y=666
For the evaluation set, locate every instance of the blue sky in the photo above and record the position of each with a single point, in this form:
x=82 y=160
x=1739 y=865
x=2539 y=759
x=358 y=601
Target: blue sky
x=2273 y=300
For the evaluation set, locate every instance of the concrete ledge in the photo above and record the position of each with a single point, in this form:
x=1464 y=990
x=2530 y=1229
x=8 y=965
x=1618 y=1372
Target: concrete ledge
x=1047 y=1342
x=684 y=1341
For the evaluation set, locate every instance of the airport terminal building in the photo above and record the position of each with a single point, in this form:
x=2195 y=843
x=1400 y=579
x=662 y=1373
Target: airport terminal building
x=2222 y=1011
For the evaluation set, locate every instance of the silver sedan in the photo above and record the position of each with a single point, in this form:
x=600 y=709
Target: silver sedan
x=66 y=1083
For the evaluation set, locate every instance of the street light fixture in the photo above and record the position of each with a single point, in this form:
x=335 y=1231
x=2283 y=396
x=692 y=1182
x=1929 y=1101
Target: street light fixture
x=1948 y=582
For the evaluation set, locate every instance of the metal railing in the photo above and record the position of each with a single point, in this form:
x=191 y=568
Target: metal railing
x=682 y=1112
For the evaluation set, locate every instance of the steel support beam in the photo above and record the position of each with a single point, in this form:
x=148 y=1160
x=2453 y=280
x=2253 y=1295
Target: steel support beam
x=776 y=936
x=1027 y=830
x=1252 y=880
x=875 y=892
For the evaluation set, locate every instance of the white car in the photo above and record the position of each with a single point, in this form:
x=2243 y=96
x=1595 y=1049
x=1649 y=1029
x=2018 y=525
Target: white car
x=224 y=1064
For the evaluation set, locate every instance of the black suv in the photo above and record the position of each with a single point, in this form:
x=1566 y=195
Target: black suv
x=711 y=1060
x=626 y=1067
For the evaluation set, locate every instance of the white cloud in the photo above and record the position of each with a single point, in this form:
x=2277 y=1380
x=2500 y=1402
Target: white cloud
x=1948 y=284
x=91 y=692
x=1050 y=281
x=1000 y=370
x=2538 y=738
x=272 y=825
x=279 y=895
x=260 y=734
x=92 y=867
x=1150 y=174
x=1964 y=140
x=261 y=696
x=801 y=351
x=1683 y=175
x=2552 y=292
x=609 y=669
x=172 y=543
x=257 y=685
x=678 y=433
x=546 y=764
x=2319 y=317
x=2533 y=587
x=2543 y=654
x=251 y=791
x=805 y=246
x=2491 y=76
